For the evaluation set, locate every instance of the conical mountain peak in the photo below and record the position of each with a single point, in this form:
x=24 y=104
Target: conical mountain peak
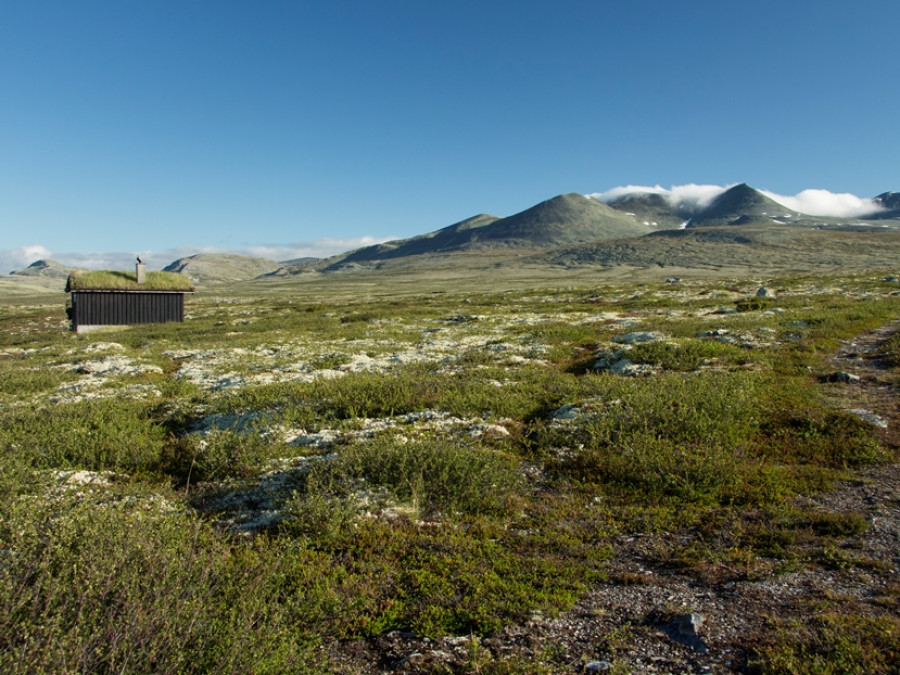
x=741 y=205
x=564 y=219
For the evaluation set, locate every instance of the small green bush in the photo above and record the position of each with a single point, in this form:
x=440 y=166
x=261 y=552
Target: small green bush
x=113 y=435
x=890 y=350
x=433 y=474
x=686 y=356
x=832 y=644
x=829 y=438
x=101 y=590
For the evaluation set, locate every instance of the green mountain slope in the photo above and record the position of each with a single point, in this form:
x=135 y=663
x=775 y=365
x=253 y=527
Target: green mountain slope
x=742 y=205
x=207 y=268
x=48 y=269
x=651 y=209
x=753 y=247
x=565 y=219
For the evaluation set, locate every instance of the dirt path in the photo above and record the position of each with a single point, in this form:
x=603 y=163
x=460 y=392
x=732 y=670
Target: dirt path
x=878 y=389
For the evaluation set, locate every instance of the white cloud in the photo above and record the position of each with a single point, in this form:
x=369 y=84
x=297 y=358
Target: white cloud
x=825 y=203
x=687 y=198
x=690 y=198
x=320 y=248
x=19 y=258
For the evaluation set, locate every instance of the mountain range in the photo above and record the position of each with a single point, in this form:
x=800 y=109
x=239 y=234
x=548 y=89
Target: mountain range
x=631 y=229
x=741 y=226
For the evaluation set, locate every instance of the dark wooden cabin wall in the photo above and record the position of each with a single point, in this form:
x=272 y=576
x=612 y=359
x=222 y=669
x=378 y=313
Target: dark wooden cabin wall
x=115 y=309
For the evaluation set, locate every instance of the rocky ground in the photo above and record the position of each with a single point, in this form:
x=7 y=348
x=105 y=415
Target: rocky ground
x=656 y=616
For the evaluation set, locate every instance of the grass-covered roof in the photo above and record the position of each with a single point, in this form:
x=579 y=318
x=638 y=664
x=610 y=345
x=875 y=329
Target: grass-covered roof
x=111 y=280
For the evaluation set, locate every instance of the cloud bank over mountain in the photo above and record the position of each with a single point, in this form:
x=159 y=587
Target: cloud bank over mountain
x=688 y=198
x=825 y=203
x=23 y=256
x=17 y=258
x=692 y=197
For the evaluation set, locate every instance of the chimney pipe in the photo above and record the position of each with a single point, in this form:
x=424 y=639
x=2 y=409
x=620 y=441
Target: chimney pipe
x=140 y=272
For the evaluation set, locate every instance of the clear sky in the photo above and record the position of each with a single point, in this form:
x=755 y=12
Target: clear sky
x=282 y=129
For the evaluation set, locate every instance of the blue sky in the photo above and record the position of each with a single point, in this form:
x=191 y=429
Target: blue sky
x=304 y=128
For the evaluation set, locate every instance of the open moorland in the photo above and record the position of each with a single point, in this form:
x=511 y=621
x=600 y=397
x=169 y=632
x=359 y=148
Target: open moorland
x=347 y=476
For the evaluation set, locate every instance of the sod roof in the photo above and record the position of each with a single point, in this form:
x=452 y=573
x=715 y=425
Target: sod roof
x=110 y=280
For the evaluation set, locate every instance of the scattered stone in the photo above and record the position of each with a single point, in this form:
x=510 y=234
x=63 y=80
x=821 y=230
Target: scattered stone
x=462 y=318
x=324 y=438
x=764 y=292
x=103 y=347
x=689 y=624
x=597 y=666
x=235 y=421
x=566 y=413
x=718 y=332
x=586 y=408
x=638 y=337
x=685 y=629
x=414 y=659
x=626 y=368
x=113 y=365
x=76 y=479
x=842 y=376
x=870 y=417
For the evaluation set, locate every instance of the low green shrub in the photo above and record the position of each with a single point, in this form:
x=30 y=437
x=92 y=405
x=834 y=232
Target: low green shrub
x=93 y=589
x=832 y=643
x=114 y=435
x=432 y=474
x=687 y=355
x=890 y=350
x=218 y=454
x=24 y=382
x=824 y=437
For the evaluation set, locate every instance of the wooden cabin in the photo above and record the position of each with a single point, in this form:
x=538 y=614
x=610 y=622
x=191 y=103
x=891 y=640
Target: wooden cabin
x=104 y=298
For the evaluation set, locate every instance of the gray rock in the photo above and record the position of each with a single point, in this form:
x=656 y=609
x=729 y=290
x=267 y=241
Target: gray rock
x=629 y=369
x=689 y=624
x=597 y=666
x=870 y=417
x=841 y=376
x=685 y=629
x=764 y=292
x=566 y=412
x=639 y=336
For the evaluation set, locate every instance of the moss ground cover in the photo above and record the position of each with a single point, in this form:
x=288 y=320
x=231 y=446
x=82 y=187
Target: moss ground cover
x=439 y=464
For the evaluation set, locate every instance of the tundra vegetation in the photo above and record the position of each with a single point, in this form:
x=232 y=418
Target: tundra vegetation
x=287 y=476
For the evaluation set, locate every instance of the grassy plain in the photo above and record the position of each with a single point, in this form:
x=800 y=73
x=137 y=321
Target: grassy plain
x=303 y=466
